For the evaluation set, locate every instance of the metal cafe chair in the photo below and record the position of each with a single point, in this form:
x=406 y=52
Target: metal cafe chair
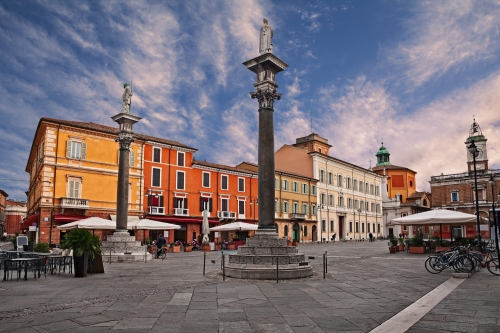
x=66 y=261
x=11 y=266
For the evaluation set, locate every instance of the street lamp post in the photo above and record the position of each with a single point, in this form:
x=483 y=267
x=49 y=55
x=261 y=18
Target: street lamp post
x=492 y=183
x=473 y=151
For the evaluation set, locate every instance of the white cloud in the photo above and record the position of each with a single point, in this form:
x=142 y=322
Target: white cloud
x=448 y=35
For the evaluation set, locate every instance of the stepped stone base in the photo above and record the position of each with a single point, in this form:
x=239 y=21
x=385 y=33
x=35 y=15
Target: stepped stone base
x=258 y=259
x=124 y=248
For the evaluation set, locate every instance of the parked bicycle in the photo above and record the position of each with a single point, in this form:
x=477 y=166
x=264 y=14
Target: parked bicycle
x=457 y=258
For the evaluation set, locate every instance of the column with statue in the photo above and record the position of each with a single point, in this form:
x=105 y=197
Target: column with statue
x=261 y=255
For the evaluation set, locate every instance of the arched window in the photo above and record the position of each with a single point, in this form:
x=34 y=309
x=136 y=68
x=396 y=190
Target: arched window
x=425 y=202
x=286 y=231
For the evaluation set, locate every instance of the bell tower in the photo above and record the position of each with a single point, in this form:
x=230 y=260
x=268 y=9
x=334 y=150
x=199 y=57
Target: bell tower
x=476 y=136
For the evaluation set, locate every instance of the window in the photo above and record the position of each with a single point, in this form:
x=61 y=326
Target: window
x=205 y=204
x=156 y=154
x=331 y=225
x=74 y=187
x=224 y=204
x=295 y=187
x=285 y=230
x=322 y=176
x=362 y=227
x=206 y=179
x=425 y=202
x=350 y=226
x=372 y=189
x=276 y=184
x=241 y=208
x=356 y=204
x=305 y=231
x=357 y=226
x=367 y=188
x=331 y=202
x=285 y=185
x=372 y=207
x=155 y=203
x=304 y=209
x=378 y=210
x=276 y=206
x=285 y=206
x=180 y=180
x=320 y=151
x=76 y=149
x=378 y=227
x=156 y=179
x=241 y=184
x=313 y=210
x=377 y=190
x=323 y=225
x=341 y=201
x=295 y=208
x=323 y=198
x=313 y=189
x=304 y=188
x=454 y=196
x=366 y=206
x=355 y=185
x=368 y=227
x=330 y=178
x=348 y=182
x=361 y=205
x=223 y=182
x=340 y=182
x=180 y=158
x=180 y=206
x=360 y=186
x=349 y=203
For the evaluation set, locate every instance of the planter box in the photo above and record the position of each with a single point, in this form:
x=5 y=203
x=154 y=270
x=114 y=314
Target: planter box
x=176 y=249
x=81 y=265
x=401 y=248
x=288 y=243
x=206 y=247
x=218 y=247
x=417 y=249
x=397 y=248
x=188 y=248
x=392 y=249
x=230 y=246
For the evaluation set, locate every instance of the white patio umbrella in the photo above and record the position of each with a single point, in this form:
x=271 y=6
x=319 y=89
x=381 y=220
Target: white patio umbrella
x=90 y=223
x=205 y=228
x=241 y=226
x=151 y=225
x=435 y=217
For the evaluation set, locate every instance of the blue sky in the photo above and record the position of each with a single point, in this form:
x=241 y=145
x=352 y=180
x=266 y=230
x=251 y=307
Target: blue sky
x=409 y=73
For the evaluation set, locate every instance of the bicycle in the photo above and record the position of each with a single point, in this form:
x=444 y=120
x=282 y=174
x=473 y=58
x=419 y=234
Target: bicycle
x=488 y=259
x=455 y=258
x=160 y=254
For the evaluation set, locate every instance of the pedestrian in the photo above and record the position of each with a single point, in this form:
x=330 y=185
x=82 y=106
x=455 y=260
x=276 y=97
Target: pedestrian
x=159 y=244
x=371 y=236
x=333 y=237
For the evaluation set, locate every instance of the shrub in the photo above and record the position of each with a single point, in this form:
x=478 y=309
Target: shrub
x=417 y=240
x=82 y=241
x=42 y=247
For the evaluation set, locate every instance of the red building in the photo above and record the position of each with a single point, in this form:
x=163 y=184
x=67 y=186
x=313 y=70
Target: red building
x=179 y=188
x=15 y=212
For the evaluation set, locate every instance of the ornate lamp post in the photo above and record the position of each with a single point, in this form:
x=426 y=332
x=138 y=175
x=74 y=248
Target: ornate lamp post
x=320 y=207
x=473 y=151
x=492 y=184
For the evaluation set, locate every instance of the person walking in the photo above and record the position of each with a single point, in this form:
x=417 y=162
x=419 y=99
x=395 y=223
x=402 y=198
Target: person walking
x=159 y=244
x=333 y=237
x=371 y=236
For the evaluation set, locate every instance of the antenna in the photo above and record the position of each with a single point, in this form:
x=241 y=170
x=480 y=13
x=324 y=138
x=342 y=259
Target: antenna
x=310 y=114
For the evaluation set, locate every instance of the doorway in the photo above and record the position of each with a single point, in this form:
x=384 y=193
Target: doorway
x=341 y=227
x=314 y=233
x=456 y=232
x=296 y=232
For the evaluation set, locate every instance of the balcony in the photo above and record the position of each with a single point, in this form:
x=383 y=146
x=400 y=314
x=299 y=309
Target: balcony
x=298 y=217
x=74 y=203
x=181 y=212
x=226 y=215
x=157 y=210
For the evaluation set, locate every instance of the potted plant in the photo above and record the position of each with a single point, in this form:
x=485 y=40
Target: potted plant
x=443 y=245
x=176 y=246
x=401 y=245
x=417 y=244
x=42 y=247
x=188 y=247
x=392 y=243
x=84 y=246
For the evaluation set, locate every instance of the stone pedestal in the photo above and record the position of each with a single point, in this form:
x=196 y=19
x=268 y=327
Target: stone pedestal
x=257 y=259
x=123 y=248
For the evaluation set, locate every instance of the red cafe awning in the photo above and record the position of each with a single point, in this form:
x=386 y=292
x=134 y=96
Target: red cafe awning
x=29 y=221
x=69 y=218
x=179 y=219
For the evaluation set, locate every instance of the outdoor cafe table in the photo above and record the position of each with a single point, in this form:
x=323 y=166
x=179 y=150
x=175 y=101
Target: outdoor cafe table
x=24 y=262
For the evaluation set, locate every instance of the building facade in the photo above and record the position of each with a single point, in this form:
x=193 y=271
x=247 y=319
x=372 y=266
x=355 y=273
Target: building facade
x=295 y=204
x=349 y=201
x=15 y=212
x=457 y=191
x=3 y=204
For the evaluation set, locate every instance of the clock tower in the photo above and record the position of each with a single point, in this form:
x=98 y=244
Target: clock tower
x=476 y=136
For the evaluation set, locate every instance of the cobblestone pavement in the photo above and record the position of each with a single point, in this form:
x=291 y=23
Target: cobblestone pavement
x=364 y=287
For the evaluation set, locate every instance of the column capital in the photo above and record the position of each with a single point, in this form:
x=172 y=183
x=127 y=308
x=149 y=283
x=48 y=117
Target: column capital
x=125 y=139
x=266 y=97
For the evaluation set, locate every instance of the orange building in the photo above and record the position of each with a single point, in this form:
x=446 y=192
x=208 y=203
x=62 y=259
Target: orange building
x=179 y=188
x=401 y=181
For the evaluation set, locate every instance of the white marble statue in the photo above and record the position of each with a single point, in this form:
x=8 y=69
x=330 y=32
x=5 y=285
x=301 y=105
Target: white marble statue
x=266 y=38
x=126 y=98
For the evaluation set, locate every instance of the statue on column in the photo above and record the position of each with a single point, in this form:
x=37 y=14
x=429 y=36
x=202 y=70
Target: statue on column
x=266 y=38
x=126 y=98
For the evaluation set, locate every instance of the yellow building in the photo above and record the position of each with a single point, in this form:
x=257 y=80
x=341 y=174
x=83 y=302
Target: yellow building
x=295 y=204
x=73 y=169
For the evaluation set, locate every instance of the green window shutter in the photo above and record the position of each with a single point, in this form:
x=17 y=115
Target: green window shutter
x=68 y=148
x=283 y=207
x=132 y=158
x=84 y=151
x=276 y=183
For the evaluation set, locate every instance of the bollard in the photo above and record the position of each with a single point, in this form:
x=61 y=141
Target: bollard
x=204 y=259
x=222 y=253
x=277 y=268
x=326 y=261
x=146 y=254
x=223 y=267
x=324 y=273
x=110 y=256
